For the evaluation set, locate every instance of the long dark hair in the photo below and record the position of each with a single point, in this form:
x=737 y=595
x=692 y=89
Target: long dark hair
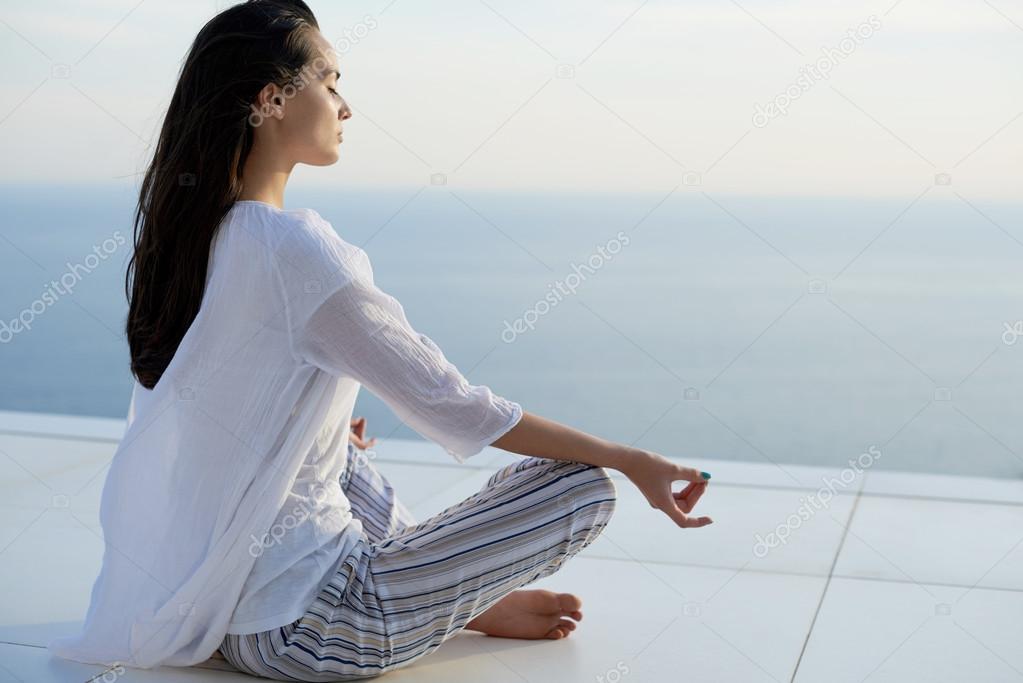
x=195 y=175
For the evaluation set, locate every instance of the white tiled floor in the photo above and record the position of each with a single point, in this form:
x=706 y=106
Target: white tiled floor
x=884 y=631
x=897 y=577
x=933 y=541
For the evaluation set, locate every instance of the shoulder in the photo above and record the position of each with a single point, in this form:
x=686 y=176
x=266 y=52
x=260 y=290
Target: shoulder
x=309 y=252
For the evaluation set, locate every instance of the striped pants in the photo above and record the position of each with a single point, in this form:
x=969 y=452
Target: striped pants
x=414 y=585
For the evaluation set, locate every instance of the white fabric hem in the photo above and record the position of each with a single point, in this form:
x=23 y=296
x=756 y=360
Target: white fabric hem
x=477 y=448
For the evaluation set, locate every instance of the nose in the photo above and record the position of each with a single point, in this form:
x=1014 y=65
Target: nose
x=346 y=112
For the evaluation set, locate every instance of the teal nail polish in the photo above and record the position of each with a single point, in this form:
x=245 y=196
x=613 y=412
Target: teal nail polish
x=705 y=475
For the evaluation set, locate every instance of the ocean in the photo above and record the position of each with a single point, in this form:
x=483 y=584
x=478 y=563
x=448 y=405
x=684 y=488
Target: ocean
x=788 y=330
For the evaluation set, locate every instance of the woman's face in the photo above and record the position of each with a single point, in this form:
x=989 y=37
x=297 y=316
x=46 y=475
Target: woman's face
x=302 y=120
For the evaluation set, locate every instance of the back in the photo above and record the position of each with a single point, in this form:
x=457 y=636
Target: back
x=211 y=454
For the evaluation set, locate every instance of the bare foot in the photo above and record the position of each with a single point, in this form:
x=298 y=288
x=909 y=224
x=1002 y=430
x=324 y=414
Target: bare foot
x=530 y=614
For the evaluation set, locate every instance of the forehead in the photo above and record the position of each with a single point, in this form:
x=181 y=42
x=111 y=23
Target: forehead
x=324 y=59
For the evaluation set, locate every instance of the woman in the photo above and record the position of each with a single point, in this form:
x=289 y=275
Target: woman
x=238 y=515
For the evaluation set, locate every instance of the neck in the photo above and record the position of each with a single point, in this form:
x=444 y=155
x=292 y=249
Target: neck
x=265 y=176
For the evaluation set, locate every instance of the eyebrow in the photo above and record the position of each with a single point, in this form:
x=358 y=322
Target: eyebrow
x=334 y=71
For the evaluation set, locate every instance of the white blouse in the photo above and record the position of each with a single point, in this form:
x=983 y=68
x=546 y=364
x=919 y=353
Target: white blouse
x=221 y=510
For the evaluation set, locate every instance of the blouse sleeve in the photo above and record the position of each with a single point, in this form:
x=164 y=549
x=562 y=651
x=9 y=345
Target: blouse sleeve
x=357 y=330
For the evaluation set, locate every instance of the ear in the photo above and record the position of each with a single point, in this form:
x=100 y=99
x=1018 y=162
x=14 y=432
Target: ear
x=270 y=102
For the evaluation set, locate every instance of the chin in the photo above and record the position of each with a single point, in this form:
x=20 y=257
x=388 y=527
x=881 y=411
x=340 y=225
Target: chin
x=327 y=159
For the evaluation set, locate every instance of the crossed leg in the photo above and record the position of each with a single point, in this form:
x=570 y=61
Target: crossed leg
x=374 y=501
x=416 y=584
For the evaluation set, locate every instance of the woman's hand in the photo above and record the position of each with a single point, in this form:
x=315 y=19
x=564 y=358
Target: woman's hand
x=653 y=474
x=358 y=430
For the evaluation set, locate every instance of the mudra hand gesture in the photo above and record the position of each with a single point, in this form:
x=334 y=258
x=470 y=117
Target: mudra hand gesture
x=358 y=432
x=653 y=475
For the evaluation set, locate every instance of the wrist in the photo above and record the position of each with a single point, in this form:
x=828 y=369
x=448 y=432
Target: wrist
x=623 y=457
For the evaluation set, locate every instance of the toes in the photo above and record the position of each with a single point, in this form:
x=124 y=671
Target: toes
x=542 y=602
x=569 y=603
x=561 y=604
x=562 y=630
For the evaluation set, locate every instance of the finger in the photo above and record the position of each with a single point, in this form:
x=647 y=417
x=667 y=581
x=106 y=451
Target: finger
x=696 y=522
x=671 y=509
x=691 y=474
x=687 y=498
x=681 y=519
x=689 y=502
x=684 y=493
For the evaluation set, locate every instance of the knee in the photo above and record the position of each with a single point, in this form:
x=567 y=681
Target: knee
x=589 y=484
x=596 y=488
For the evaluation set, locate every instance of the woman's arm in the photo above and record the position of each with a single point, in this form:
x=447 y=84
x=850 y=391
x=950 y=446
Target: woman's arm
x=652 y=474
x=542 y=438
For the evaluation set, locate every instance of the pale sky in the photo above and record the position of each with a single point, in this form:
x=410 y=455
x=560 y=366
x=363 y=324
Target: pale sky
x=576 y=96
